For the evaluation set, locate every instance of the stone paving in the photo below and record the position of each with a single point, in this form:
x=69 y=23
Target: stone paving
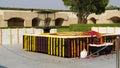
x=13 y=56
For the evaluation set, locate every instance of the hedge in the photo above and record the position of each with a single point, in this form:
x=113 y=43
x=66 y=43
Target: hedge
x=87 y=27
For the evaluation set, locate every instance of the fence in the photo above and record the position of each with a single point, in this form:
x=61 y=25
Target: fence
x=115 y=30
x=15 y=35
x=64 y=46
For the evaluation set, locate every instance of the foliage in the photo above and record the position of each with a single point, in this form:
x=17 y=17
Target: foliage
x=85 y=7
x=110 y=7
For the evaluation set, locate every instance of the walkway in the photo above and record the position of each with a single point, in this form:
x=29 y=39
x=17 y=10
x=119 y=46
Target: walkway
x=13 y=56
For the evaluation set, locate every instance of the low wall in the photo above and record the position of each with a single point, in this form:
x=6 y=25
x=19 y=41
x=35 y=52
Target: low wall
x=15 y=35
x=115 y=30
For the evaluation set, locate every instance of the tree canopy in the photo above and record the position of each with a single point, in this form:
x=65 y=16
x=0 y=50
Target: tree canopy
x=85 y=7
x=111 y=7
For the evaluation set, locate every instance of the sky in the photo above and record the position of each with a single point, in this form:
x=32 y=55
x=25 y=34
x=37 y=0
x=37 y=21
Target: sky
x=42 y=4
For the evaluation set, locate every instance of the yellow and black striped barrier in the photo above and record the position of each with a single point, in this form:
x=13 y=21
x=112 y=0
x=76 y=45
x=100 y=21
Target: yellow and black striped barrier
x=69 y=47
x=29 y=42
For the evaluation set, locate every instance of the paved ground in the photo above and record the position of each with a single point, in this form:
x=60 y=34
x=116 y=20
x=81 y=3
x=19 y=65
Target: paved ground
x=13 y=56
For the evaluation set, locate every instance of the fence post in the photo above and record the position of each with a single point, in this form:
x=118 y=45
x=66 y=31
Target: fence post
x=117 y=52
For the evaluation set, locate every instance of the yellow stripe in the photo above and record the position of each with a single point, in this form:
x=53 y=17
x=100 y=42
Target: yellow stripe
x=57 y=46
x=54 y=46
x=49 y=45
x=63 y=47
x=30 y=43
x=74 y=49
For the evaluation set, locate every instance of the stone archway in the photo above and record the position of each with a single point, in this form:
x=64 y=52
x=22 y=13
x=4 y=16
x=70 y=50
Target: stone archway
x=35 y=21
x=59 y=21
x=15 y=21
x=115 y=19
x=47 y=21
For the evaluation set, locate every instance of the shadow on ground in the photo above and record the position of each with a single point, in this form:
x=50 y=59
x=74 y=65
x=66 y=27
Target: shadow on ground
x=2 y=66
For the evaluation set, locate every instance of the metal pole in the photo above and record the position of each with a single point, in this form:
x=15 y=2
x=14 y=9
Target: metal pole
x=117 y=52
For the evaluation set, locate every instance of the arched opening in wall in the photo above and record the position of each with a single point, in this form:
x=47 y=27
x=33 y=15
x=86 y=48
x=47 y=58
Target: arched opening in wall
x=115 y=19
x=47 y=21
x=16 y=22
x=59 y=21
x=93 y=20
x=35 y=21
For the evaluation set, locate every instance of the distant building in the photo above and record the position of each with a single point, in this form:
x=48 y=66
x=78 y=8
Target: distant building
x=48 y=18
x=110 y=16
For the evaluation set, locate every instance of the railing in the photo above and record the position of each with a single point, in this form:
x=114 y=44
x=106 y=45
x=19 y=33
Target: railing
x=115 y=30
x=15 y=35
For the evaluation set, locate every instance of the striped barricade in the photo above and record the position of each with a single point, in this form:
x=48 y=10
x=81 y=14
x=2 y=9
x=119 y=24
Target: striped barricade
x=69 y=47
x=29 y=42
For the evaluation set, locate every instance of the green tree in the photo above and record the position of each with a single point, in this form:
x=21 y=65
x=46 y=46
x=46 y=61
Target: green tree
x=110 y=7
x=85 y=7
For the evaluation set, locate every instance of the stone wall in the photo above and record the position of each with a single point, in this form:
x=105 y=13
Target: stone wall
x=67 y=17
x=104 y=17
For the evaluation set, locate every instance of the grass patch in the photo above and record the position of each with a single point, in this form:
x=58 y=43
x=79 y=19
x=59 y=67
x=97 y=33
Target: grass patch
x=63 y=29
x=83 y=27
